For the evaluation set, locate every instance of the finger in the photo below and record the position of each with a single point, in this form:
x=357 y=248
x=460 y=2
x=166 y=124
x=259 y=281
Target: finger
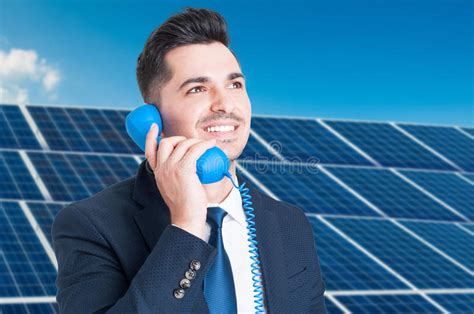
x=166 y=147
x=151 y=145
x=194 y=152
x=181 y=149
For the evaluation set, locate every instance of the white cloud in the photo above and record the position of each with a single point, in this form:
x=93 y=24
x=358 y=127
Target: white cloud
x=21 y=71
x=51 y=79
x=13 y=95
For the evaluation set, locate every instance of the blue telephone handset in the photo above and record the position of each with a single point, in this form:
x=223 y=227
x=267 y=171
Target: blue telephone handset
x=211 y=167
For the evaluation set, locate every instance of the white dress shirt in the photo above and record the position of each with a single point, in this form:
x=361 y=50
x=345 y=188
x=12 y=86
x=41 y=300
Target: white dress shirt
x=236 y=244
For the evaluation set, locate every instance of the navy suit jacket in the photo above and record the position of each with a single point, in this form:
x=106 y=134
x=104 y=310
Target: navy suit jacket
x=118 y=252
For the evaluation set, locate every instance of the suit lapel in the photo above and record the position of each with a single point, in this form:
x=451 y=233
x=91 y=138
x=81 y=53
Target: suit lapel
x=155 y=216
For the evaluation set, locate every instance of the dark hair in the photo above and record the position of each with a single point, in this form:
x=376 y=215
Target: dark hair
x=193 y=26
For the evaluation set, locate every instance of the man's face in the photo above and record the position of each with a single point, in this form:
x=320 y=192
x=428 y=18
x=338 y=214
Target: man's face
x=206 y=97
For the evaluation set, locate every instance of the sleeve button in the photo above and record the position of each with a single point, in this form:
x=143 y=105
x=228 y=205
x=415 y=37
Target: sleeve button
x=190 y=274
x=195 y=265
x=185 y=283
x=178 y=293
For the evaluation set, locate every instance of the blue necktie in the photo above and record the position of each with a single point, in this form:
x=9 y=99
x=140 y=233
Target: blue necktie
x=219 y=287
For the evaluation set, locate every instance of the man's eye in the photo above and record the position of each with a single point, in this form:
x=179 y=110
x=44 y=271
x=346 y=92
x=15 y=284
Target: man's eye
x=195 y=90
x=239 y=85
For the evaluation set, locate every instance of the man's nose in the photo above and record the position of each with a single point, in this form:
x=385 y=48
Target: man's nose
x=223 y=101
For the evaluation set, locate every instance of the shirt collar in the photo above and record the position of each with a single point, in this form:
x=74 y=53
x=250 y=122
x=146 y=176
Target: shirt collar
x=232 y=204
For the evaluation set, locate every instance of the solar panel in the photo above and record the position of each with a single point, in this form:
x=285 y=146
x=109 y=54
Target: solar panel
x=332 y=308
x=468 y=226
x=71 y=177
x=388 y=146
x=451 y=143
x=455 y=303
x=39 y=308
x=392 y=195
x=304 y=140
x=344 y=267
x=388 y=304
x=14 y=130
x=308 y=188
x=44 y=213
x=254 y=150
x=469 y=176
x=406 y=255
x=448 y=187
x=83 y=130
x=449 y=238
x=365 y=257
x=26 y=269
x=15 y=179
x=469 y=130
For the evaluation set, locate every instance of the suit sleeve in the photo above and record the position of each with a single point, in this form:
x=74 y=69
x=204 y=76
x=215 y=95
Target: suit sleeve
x=90 y=278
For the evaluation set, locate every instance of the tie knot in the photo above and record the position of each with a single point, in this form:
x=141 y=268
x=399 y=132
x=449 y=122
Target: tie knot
x=215 y=216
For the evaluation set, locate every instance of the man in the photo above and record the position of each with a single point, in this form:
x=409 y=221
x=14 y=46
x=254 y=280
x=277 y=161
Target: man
x=144 y=244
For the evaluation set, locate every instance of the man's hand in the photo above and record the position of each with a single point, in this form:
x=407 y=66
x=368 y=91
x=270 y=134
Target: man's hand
x=174 y=167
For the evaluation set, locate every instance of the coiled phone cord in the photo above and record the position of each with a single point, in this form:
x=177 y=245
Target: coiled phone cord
x=257 y=282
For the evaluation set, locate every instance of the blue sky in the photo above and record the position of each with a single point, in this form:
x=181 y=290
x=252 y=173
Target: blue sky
x=367 y=60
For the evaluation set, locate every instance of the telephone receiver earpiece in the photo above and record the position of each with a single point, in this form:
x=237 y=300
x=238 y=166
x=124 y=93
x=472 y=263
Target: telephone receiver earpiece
x=211 y=167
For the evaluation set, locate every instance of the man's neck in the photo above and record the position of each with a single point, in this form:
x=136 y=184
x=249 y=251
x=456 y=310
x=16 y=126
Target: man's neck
x=217 y=192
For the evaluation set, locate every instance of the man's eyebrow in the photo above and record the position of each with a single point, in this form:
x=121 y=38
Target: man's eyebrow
x=205 y=79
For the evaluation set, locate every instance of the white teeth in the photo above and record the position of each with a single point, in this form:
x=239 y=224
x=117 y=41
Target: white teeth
x=221 y=128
